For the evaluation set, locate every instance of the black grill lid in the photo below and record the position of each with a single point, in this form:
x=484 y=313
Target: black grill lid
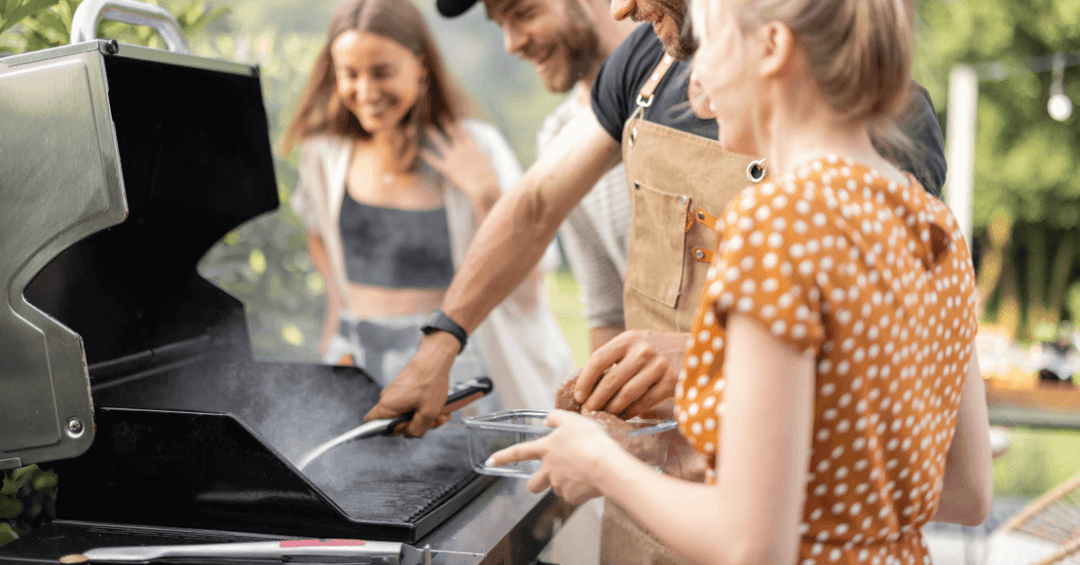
x=196 y=163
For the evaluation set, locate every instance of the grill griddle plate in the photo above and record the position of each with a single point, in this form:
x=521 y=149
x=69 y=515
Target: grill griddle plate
x=174 y=465
x=387 y=478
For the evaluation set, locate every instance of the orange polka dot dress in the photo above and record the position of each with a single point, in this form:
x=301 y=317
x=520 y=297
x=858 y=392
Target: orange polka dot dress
x=875 y=280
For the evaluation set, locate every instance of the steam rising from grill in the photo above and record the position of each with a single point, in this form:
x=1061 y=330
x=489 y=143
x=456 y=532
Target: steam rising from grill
x=294 y=407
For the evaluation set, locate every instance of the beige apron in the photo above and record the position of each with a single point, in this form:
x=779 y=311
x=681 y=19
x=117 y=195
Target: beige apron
x=678 y=181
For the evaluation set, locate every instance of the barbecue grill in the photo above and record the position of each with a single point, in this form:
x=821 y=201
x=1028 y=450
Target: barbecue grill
x=120 y=166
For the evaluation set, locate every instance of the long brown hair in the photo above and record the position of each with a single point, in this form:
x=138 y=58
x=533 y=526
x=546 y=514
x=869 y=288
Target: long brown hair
x=321 y=110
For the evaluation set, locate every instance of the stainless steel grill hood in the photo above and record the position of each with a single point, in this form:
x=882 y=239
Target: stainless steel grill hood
x=114 y=161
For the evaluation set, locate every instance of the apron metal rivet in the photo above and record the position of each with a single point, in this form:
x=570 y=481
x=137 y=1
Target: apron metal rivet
x=699 y=254
x=756 y=171
x=682 y=199
x=633 y=136
x=700 y=215
x=636 y=186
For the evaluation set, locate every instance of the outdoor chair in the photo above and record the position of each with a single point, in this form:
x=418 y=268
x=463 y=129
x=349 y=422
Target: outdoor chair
x=1045 y=532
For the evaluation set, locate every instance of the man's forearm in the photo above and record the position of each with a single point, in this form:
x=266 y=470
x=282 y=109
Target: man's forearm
x=506 y=248
x=512 y=239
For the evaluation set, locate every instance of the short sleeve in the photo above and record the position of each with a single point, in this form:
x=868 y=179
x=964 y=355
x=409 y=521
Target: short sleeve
x=765 y=266
x=620 y=78
x=311 y=176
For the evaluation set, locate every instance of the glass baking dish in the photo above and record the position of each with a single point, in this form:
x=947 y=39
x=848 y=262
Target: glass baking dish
x=650 y=440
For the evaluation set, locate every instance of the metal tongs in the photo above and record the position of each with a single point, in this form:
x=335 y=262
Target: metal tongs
x=299 y=550
x=460 y=396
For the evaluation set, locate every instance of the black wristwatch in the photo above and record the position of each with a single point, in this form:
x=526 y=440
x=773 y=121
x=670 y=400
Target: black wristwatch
x=438 y=321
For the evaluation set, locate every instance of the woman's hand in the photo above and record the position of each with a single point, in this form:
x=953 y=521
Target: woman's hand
x=463 y=163
x=571 y=457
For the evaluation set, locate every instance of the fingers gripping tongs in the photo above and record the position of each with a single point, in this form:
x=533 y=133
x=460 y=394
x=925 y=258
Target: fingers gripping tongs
x=460 y=395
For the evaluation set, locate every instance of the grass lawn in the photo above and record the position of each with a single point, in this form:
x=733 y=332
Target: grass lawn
x=1037 y=461
x=567 y=307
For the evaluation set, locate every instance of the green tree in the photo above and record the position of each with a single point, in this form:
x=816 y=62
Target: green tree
x=1027 y=164
x=40 y=24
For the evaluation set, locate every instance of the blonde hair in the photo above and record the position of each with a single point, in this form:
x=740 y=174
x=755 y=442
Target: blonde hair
x=859 y=51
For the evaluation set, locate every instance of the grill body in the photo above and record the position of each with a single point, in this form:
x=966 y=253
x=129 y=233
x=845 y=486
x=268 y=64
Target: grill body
x=122 y=167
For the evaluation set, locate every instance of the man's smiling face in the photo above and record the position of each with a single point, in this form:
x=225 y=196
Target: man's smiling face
x=557 y=36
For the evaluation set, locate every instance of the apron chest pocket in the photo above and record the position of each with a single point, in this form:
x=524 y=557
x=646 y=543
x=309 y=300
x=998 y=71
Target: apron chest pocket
x=657 y=243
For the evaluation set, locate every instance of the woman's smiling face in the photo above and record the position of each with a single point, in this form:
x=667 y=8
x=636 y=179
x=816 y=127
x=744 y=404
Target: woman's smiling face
x=377 y=79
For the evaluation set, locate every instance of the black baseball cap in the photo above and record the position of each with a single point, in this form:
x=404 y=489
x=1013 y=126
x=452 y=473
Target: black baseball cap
x=454 y=8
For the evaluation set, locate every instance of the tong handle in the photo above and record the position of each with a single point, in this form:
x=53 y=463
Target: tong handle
x=303 y=550
x=465 y=393
x=460 y=395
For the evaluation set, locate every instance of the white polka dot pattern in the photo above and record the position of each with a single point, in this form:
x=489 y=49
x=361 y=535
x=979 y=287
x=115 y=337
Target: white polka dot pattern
x=875 y=280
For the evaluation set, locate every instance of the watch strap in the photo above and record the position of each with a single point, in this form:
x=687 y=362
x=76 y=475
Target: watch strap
x=438 y=321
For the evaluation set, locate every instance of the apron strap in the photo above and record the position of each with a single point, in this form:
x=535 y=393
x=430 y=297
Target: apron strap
x=645 y=96
x=701 y=216
x=703 y=254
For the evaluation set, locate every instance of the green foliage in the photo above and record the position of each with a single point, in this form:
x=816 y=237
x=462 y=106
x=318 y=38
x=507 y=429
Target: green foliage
x=39 y=24
x=15 y=11
x=27 y=500
x=265 y=262
x=1036 y=461
x=1027 y=164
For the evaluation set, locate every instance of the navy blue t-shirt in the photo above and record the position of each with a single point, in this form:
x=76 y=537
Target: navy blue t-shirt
x=615 y=92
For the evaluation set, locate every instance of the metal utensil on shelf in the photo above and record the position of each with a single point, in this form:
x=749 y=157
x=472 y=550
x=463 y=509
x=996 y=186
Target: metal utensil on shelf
x=296 y=550
x=460 y=395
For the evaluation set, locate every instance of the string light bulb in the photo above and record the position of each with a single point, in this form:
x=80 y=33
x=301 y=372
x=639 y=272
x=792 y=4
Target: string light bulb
x=1059 y=106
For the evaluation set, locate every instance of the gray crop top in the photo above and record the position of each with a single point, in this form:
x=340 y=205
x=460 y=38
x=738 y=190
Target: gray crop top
x=395 y=248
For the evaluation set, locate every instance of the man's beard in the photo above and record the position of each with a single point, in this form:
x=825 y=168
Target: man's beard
x=583 y=50
x=686 y=44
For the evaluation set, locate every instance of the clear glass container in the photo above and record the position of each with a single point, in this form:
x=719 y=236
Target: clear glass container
x=652 y=441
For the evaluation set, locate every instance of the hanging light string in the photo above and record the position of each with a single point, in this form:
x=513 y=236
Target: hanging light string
x=1059 y=105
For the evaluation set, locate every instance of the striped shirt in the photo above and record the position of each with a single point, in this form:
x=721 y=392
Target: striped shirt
x=596 y=234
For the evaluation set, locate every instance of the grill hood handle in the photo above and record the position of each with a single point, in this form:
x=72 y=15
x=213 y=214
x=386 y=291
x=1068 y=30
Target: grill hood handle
x=91 y=12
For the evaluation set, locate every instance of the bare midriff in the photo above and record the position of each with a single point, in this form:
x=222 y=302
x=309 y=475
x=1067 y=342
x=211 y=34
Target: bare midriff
x=371 y=302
